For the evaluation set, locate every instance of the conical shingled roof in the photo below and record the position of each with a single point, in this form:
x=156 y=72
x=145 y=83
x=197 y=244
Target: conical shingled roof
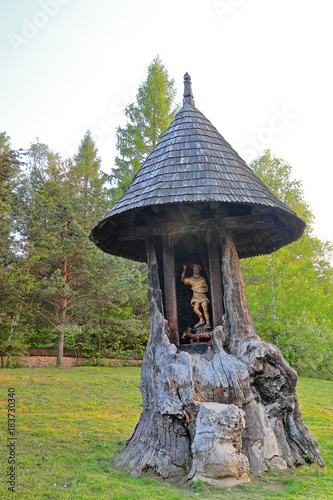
x=193 y=163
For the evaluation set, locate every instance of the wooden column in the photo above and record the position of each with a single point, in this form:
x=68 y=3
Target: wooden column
x=215 y=277
x=239 y=322
x=154 y=290
x=170 y=296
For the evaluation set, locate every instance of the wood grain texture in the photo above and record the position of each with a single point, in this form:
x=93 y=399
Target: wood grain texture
x=215 y=277
x=170 y=295
x=237 y=224
x=238 y=370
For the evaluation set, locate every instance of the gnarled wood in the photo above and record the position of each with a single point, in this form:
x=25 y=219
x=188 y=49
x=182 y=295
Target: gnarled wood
x=254 y=420
x=238 y=322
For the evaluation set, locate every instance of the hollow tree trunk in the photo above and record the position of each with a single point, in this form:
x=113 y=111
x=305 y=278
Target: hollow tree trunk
x=222 y=415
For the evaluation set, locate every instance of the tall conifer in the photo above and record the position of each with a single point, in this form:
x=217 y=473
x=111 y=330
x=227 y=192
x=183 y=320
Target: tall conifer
x=147 y=120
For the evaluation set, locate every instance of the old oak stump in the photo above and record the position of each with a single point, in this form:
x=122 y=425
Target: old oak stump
x=225 y=406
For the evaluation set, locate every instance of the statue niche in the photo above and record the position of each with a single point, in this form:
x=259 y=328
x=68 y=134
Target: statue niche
x=193 y=289
x=199 y=302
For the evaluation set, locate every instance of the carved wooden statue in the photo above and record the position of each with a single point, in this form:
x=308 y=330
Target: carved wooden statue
x=227 y=407
x=199 y=300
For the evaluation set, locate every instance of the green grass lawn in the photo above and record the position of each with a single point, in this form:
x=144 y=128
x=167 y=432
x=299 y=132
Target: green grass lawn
x=70 y=424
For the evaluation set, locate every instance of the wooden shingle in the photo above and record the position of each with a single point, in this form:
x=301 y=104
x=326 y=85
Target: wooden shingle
x=194 y=164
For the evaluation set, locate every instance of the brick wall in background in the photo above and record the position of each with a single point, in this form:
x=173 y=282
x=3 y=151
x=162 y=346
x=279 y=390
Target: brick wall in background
x=36 y=361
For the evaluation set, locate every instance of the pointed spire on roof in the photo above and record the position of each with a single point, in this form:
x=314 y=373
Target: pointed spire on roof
x=188 y=94
x=192 y=163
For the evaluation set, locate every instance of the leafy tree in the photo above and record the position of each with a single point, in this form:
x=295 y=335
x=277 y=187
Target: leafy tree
x=277 y=175
x=291 y=288
x=118 y=317
x=148 y=119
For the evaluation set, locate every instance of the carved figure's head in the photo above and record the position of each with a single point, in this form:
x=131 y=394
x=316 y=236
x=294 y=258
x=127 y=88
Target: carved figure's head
x=196 y=269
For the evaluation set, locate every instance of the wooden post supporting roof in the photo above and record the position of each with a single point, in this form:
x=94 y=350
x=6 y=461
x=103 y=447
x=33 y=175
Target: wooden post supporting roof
x=170 y=295
x=215 y=277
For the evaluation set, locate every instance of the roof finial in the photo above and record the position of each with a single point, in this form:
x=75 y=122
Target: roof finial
x=188 y=95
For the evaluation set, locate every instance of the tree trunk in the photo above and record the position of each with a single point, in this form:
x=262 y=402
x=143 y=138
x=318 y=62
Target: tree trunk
x=60 y=347
x=61 y=335
x=221 y=415
x=63 y=310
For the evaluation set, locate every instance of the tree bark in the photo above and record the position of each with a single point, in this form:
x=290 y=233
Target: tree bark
x=60 y=346
x=221 y=415
x=61 y=334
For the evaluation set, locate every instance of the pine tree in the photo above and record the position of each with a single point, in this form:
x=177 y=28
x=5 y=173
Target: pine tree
x=91 y=197
x=69 y=286
x=56 y=205
x=148 y=119
x=12 y=338
x=9 y=170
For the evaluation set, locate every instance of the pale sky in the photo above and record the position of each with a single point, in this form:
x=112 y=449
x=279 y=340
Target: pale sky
x=261 y=73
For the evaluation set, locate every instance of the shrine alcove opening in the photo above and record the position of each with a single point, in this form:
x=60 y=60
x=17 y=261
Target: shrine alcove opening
x=181 y=254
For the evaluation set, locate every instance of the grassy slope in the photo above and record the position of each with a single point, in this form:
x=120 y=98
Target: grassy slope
x=71 y=422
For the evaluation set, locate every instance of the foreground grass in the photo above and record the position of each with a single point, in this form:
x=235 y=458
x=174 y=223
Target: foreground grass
x=70 y=424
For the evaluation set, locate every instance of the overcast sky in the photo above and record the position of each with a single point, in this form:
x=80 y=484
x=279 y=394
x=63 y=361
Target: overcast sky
x=261 y=73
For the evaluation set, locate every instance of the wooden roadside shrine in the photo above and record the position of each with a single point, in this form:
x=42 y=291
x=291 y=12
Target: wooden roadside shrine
x=218 y=402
